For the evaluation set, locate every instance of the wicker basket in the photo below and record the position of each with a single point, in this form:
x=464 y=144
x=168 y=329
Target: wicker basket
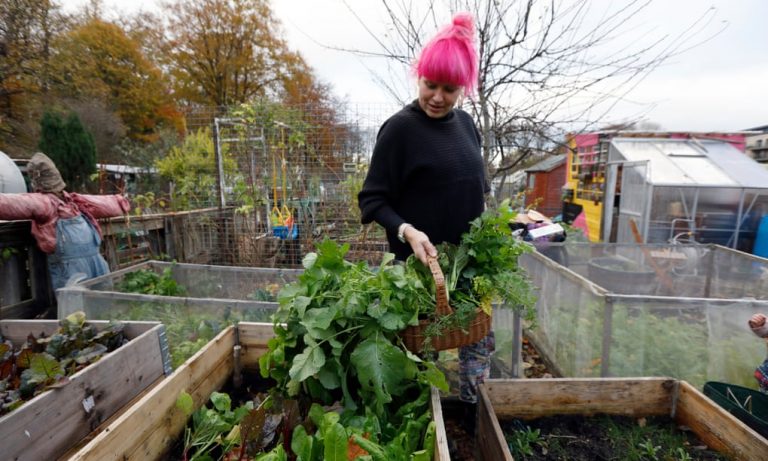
x=413 y=336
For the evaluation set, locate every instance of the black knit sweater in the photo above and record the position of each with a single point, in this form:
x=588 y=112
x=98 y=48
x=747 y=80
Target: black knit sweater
x=427 y=172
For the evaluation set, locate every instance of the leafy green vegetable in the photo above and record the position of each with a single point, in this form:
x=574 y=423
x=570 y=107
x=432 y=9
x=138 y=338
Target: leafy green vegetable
x=45 y=362
x=149 y=282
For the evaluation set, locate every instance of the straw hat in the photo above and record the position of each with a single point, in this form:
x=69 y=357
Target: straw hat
x=43 y=174
x=531 y=216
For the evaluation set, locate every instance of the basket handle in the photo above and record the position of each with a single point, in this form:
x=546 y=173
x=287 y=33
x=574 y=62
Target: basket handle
x=441 y=292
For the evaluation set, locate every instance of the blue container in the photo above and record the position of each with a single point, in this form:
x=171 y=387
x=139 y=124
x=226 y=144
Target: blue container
x=286 y=233
x=761 y=240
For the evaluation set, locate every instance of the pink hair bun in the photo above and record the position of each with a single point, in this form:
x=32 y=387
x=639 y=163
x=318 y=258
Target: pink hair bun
x=451 y=56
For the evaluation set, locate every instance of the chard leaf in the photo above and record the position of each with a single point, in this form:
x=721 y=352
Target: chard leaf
x=277 y=454
x=301 y=444
x=429 y=439
x=74 y=321
x=221 y=401
x=383 y=369
x=252 y=424
x=335 y=443
x=90 y=354
x=307 y=363
x=185 y=403
x=316 y=415
x=44 y=367
x=434 y=376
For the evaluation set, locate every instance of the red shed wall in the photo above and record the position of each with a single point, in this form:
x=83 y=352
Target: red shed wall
x=547 y=186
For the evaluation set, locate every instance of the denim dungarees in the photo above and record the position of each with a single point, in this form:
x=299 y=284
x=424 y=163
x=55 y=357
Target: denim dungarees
x=77 y=251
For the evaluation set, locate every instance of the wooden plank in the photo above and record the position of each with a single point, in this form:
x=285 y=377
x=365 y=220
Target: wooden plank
x=441 y=437
x=716 y=427
x=83 y=442
x=534 y=398
x=147 y=430
x=253 y=339
x=20 y=310
x=48 y=425
x=158 y=443
x=18 y=330
x=489 y=438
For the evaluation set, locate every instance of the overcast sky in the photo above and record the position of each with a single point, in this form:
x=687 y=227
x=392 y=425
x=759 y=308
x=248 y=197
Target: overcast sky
x=719 y=85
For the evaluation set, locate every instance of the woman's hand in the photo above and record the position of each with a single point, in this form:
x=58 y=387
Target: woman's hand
x=420 y=244
x=758 y=326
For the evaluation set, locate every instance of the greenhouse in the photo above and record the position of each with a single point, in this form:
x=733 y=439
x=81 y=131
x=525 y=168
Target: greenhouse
x=702 y=189
x=650 y=310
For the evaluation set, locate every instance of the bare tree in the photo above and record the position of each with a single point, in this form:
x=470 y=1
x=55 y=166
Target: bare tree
x=546 y=67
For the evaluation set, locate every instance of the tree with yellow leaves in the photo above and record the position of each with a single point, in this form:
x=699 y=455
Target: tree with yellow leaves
x=225 y=52
x=98 y=60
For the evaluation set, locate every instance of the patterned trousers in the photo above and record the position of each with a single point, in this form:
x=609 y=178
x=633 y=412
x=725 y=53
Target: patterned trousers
x=475 y=366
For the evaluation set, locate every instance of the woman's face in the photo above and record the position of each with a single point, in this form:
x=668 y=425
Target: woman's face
x=437 y=99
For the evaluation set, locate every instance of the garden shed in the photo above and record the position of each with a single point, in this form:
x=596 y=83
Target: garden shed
x=706 y=189
x=624 y=310
x=544 y=185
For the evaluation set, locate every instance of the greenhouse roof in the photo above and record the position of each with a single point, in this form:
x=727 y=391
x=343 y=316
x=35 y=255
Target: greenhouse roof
x=692 y=162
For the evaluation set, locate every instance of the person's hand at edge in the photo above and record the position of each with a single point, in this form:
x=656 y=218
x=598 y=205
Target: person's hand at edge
x=758 y=325
x=420 y=244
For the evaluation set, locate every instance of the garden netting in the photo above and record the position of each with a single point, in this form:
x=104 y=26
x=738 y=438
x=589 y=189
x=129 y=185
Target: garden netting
x=649 y=310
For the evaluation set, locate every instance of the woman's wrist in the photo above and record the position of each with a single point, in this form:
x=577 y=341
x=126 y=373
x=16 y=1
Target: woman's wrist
x=401 y=230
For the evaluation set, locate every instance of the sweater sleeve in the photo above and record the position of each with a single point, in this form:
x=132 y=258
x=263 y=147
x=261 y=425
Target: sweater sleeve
x=36 y=207
x=383 y=180
x=102 y=206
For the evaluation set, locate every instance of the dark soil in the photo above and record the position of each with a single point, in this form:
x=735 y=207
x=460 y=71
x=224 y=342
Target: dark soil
x=459 y=418
x=580 y=438
x=577 y=437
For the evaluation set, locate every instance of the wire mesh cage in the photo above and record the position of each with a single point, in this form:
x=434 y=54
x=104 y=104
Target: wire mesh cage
x=194 y=301
x=285 y=177
x=650 y=310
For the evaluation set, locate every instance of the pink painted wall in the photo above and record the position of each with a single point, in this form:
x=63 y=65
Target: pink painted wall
x=738 y=140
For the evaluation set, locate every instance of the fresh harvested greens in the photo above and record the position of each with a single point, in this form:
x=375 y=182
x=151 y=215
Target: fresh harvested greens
x=336 y=343
x=481 y=270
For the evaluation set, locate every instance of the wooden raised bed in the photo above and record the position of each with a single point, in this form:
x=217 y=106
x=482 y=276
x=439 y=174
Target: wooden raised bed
x=57 y=419
x=149 y=428
x=636 y=397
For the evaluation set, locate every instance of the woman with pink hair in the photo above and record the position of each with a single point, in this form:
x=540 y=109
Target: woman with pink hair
x=426 y=181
